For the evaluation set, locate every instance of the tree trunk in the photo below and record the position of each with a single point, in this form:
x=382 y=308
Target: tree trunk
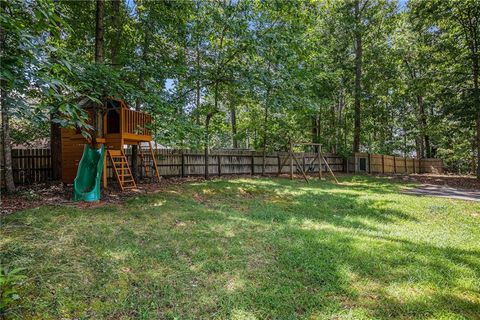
x=197 y=82
x=115 y=43
x=476 y=93
x=358 y=77
x=197 y=101
x=207 y=146
x=473 y=146
x=233 y=116
x=6 y=143
x=265 y=129
x=207 y=132
x=56 y=149
x=138 y=102
x=55 y=131
x=5 y=122
x=316 y=128
x=419 y=146
x=99 y=32
x=333 y=125
x=340 y=120
x=98 y=112
x=423 y=127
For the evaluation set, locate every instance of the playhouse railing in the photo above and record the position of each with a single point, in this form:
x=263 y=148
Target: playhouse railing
x=135 y=122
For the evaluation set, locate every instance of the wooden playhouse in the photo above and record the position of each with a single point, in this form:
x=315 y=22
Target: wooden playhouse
x=116 y=127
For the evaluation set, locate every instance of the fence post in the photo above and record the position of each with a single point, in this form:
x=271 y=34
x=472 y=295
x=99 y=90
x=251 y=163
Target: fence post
x=252 y=164
x=406 y=169
x=394 y=164
x=219 y=158
x=182 y=173
x=383 y=164
x=279 y=164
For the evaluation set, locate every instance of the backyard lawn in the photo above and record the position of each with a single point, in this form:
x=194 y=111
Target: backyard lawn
x=250 y=249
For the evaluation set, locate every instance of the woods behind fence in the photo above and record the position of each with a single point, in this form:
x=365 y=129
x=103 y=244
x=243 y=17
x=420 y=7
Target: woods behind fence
x=35 y=165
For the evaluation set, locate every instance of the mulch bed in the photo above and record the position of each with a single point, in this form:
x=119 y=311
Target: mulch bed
x=56 y=193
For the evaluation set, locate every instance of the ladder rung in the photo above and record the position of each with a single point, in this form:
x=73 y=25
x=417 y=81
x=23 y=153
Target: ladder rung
x=125 y=170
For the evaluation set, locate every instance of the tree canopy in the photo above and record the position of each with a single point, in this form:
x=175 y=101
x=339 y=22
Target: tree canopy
x=383 y=76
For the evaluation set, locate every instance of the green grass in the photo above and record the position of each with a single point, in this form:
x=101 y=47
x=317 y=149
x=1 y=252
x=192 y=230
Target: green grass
x=251 y=249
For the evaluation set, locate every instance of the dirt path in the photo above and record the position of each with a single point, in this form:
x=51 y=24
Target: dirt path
x=444 y=192
x=453 y=181
x=445 y=186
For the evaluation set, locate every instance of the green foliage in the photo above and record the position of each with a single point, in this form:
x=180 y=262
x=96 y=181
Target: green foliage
x=262 y=73
x=9 y=279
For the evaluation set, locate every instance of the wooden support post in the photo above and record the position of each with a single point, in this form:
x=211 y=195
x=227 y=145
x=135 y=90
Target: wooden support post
x=329 y=169
x=299 y=166
x=154 y=160
x=394 y=164
x=406 y=169
x=219 y=169
x=312 y=162
x=279 y=168
x=252 y=164
x=413 y=160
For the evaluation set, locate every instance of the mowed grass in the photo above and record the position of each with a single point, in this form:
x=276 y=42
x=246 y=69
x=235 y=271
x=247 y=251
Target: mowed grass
x=251 y=249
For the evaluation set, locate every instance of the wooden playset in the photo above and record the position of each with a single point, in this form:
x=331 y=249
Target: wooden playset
x=116 y=127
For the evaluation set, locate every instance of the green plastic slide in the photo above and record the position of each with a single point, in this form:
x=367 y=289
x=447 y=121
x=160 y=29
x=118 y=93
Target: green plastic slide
x=86 y=186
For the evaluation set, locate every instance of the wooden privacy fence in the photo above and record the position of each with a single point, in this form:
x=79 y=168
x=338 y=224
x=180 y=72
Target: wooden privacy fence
x=379 y=163
x=31 y=165
x=183 y=163
x=34 y=165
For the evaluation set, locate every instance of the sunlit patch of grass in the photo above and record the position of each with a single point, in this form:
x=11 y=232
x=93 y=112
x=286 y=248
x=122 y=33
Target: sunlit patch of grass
x=251 y=249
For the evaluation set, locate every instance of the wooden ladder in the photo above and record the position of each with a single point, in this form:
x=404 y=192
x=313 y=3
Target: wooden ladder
x=145 y=157
x=122 y=169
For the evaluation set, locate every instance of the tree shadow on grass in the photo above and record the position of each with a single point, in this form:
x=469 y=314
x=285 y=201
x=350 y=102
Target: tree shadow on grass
x=326 y=272
x=325 y=258
x=268 y=249
x=282 y=201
